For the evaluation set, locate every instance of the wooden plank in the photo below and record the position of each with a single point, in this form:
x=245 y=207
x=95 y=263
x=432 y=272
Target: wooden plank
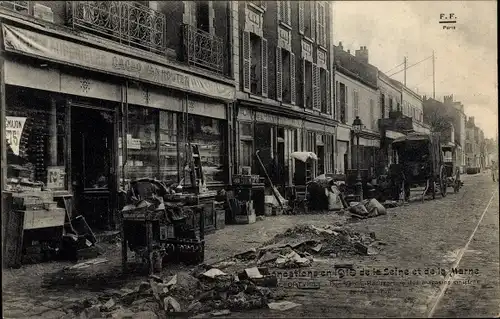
x=34 y=219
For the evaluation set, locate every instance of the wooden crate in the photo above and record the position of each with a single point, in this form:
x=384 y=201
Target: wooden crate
x=34 y=219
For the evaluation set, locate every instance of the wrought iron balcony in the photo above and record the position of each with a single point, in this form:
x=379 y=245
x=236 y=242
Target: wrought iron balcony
x=19 y=6
x=203 y=49
x=124 y=21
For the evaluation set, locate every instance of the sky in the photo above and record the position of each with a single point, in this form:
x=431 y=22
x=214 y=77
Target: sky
x=465 y=58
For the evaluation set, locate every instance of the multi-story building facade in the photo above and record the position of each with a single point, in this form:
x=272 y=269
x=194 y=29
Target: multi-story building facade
x=356 y=95
x=283 y=56
x=95 y=93
x=390 y=101
x=471 y=144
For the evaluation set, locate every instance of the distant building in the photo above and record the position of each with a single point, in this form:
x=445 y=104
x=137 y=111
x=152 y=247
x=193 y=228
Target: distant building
x=356 y=94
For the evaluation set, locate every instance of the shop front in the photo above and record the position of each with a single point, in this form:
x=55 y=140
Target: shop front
x=343 y=150
x=276 y=137
x=84 y=121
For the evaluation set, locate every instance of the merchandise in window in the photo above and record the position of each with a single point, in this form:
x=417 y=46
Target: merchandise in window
x=168 y=172
x=35 y=130
x=207 y=134
x=142 y=152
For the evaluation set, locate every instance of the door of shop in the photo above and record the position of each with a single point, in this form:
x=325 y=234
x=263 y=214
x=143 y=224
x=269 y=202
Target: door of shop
x=93 y=164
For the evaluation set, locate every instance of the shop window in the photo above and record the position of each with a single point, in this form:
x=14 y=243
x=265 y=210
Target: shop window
x=399 y=107
x=142 y=148
x=246 y=144
x=168 y=172
x=35 y=139
x=207 y=134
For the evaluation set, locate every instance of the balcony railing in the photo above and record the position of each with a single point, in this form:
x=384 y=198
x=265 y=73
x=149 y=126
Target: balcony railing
x=19 y=6
x=124 y=21
x=203 y=49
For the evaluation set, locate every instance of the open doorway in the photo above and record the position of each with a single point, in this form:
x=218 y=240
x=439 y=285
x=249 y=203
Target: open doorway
x=92 y=143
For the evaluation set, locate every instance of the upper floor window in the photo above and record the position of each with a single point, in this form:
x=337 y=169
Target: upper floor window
x=372 y=114
x=203 y=15
x=343 y=103
x=324 y=89
x=255 y=64
x=321 y=29
x=382 y=106
x=355 y=103
x=309 y=17
x=284 y=12
x=285 y=76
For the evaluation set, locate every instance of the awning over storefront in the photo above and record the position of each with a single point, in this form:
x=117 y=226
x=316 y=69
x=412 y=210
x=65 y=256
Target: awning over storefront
x=393 y=134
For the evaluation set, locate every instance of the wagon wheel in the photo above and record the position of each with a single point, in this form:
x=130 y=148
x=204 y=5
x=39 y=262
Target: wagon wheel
x=456 y=184
x=442 y=181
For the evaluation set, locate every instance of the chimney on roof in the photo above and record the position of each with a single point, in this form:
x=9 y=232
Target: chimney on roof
x=348 y=51
x=340 y=46
x=362 y=54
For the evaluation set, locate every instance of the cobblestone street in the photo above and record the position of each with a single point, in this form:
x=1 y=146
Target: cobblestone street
x=435 y=234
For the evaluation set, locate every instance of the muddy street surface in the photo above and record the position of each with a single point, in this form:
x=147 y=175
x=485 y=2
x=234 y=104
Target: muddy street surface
x=437 y=258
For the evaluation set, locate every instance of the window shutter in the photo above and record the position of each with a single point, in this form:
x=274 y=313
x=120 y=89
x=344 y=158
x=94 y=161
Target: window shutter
x=301 y=16
x=279 y=73
x=246 y=61
x=281 y=11
x=337 y=101
x=313 y=20
x=318 y=23
x=318 y=88
x=303 y=82
x=328 y=93
x=265 y=89
x=315 y=85
x=293 y=90
x=263 y=5
x=288 y=12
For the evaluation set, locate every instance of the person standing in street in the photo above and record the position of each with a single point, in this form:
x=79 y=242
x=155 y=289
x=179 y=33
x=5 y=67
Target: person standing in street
x=494 y=170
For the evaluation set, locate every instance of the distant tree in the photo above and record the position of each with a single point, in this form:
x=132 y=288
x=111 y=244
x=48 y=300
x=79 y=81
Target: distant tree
x=437 y=121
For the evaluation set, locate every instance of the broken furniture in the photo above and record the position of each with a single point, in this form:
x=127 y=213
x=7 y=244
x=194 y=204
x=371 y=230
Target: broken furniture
x=304 y=175
x=161 y=227
x=244 y=189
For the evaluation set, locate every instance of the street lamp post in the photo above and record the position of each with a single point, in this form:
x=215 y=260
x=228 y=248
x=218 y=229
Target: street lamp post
x=357 y=126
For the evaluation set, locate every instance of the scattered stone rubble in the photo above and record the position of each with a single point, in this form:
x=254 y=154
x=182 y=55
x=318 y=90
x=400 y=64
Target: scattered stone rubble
x=241 y=283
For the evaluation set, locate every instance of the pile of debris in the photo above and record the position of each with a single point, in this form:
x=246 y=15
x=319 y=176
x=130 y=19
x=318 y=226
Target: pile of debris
x=296 y=246
x=204 y=290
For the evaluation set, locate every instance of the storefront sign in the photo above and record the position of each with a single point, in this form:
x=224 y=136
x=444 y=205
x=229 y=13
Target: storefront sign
x=132 y=143
x=290 y=122
x=50 y=48
x=266 y=118
x=314 y=126
x=343 y=134
x=55 y=177
x=13 y=130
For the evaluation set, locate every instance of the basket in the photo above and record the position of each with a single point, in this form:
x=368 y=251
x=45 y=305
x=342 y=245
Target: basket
x=188 y=252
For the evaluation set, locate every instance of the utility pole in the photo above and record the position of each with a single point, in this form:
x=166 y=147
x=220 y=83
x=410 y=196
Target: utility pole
x=433 y=77
x=405 y=71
